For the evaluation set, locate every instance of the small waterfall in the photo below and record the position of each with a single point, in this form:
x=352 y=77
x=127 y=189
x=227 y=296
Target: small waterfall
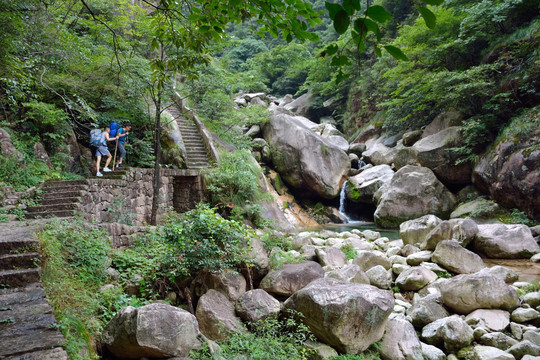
x=342 y=200
x=361 y=164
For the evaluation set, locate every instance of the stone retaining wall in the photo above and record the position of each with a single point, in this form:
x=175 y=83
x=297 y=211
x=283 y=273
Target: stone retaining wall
x=129 y=200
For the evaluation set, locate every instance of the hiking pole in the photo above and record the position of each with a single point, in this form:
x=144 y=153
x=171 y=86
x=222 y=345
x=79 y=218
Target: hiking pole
x=114 y=159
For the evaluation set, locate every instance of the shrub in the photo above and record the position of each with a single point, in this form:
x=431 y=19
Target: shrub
x=349 y=251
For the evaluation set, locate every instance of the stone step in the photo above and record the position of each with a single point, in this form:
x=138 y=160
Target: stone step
x=60 y=200
x=52 y=207
x=49 y=214
x=64 y=183
x=75 y=187
x=61 y=194
x=20 y=277
x=13 y=244
x=19 y=261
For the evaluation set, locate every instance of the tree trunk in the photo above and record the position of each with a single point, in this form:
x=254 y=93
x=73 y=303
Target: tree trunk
x=157 y=152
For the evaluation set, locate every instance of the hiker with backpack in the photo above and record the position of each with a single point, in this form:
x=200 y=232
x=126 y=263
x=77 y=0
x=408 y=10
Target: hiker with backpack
x=98 y=141
x=122 y=135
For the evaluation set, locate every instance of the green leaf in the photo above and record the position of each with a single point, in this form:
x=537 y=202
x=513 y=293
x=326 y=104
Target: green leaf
x=330 y=50
x=428 y=16
x=373 y=27
x=396 y=53
x=378 y=13
x=433 y=2
x=333 y=9
x=340 y=60
x=377 y=51
x=341 y=22
x=351 y=5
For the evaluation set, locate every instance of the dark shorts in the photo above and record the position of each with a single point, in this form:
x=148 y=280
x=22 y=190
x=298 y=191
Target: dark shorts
x=102 y=150
x=121 y=150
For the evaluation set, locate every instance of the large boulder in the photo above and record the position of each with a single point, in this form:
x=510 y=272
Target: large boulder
x=480 y=352
x=466 y=293
x=413 y=192
x=509 y=171
x=500 y=241
x=461 y=230
x=349 y=273
x=7 y=148
x=330 y=256
x=426 y=311
x=305 y=160
x=443 y=121
x=434 y=152
x=452 y=332
x=400 y=342
x=349 y=317
x=362 y=187
x=152 y=331
x=368 y=259
x=216 y=316
x=291 y=278
x=453 y=257
x=491 y=320
x=229 y=283
x=379 y=154
x=414 y=231
x=256 y=304
x=415 y=278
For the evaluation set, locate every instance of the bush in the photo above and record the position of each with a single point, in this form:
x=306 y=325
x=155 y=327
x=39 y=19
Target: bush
x=271 y=339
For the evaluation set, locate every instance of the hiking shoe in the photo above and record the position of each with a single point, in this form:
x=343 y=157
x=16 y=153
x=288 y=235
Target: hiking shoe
x=99 y=174
x=119 y=165
x=106 y=170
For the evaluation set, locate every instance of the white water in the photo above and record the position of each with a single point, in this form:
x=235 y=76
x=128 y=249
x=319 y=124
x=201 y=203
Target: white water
x=342 y=199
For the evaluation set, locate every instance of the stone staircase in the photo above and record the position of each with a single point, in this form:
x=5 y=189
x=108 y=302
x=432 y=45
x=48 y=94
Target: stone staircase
x=58 y=199
x=197 y=156
x=27 y=324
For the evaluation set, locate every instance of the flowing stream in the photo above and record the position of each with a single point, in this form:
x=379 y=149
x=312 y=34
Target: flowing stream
x=342 y=200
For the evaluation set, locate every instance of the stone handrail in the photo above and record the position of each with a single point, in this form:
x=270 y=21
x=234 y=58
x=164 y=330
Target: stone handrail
x=205 y=134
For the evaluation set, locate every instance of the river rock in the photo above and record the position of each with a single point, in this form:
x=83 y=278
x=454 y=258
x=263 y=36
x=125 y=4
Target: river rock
x=228 y=282
x=480 y=352
x=466 y=293
x=362 y=187
x=357 y=149
x=521 y=315
x=380 y=277
x=330 y=256
x=419 y=257
x=478 y=208
x=320 y=351
x=426 y=311
x=349 y=273
x=255 y=305
x=443 y=121
x=415 y=278
x=498 y=340
x=501 y=241
x=258 y=256
x=413 y=192
x=400 y=342
x=431 y=352
x=453 y=257
x=415 y=231
x=411 y=137
x=461 y=230
x=379 y=154
x=524 y=348
x=368 y=259
x=216 y=316
x=155 y=331
x=291 y=278
x=349 y=317
x=451 y=331
x=305 y=160
x=492 y=320
x=433 y=152
x=509 y=276
x=533 y=299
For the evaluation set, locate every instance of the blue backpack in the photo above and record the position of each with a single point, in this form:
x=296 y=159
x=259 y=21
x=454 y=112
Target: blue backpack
x=114 y=129
x=96 y=137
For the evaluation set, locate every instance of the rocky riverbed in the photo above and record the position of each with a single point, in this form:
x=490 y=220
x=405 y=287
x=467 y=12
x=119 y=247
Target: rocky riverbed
x=427 y=295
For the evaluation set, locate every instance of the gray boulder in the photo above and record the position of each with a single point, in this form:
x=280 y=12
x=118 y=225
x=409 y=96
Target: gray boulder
x=521 y=315
x=330 y=256
x=501 y=241
x=255 y=305
x=379 y=154
x=524 y=348
x=453 y=257
x=305 y=160
x=350 y=273
x=480 y=352
x=466 y=293
x=368 y=259
x=216 y=316
x=415 y=231
x=461 y=230
x=357 y=148
x=349 y=317
x=443 y=121
x=491 y=320
x=400 y=342
x=509 y=276
x=291 y=278
x=413 y=192
x=415 y=278
x=451 y=332
x=7 y=148
x=498 y=340
x=478 y=208
x=433 y=152
x=362 y=187
x=228 y=282
x=411 y=137
x=426 y=311
x=380 y=277
x=153 y=331
x=431 y=352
